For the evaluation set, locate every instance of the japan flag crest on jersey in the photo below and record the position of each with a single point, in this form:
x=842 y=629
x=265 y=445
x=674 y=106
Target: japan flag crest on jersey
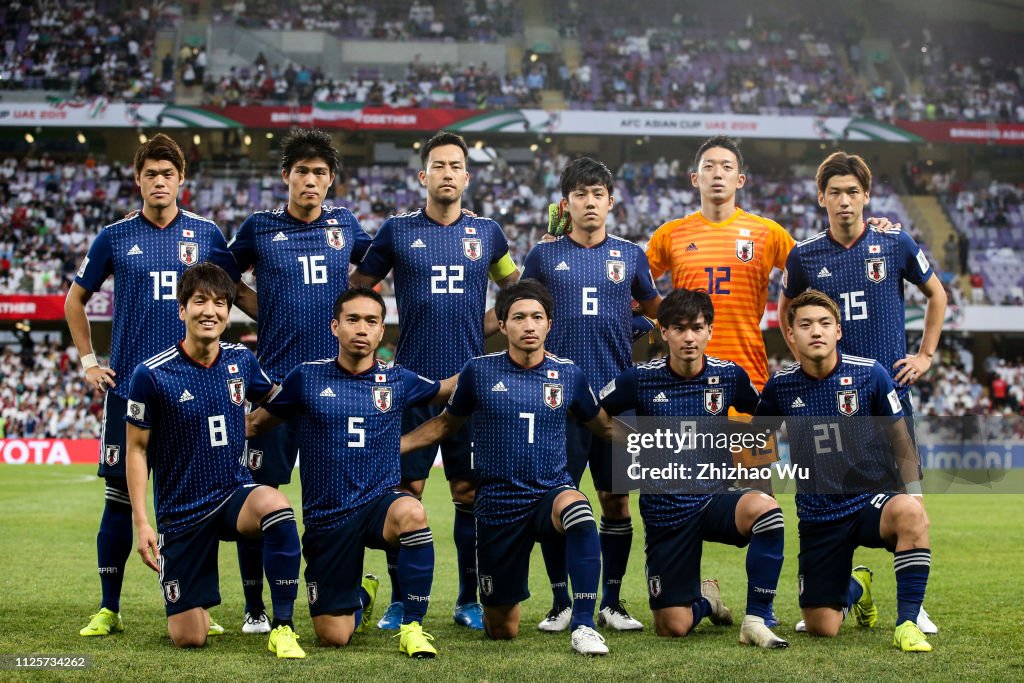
x=382 y=398
x=616 y=271
x=236 y=390
x=188 y=253
x=875 y=268
x=745 y=250
x=848 y=402
x=713 y=400
x=471 y=248
x=553 y=395
x=335 y=237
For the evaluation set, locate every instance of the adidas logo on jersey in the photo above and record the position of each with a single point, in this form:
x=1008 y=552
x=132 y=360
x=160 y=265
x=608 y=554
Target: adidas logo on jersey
x=692 y=247
x=185 y=396
x=562 y=266
x=798 y=403
x=134 y=251
x=661 y=398
x=824 y=272
x=280 y=237
x=500 y=386
x=418 y=244
x=327 y=392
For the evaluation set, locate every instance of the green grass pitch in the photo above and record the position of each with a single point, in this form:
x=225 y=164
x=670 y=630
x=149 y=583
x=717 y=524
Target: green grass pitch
x=49 y=588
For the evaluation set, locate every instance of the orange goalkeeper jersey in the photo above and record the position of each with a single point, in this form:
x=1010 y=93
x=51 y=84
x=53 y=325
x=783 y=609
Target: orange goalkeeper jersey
x=731 y=260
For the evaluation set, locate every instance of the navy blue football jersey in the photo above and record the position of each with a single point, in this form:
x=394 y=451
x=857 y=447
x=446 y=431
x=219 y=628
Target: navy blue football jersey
x=349 y=428
x=300 y=268
x=196 y=418
x=147 y=262
x=441 y=279
x=593 y=289
x=519 y=419
x=846 y=451
x=702 y=403
x=866 y=280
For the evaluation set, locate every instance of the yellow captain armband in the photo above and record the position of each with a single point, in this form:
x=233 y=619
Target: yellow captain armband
x=504 y=267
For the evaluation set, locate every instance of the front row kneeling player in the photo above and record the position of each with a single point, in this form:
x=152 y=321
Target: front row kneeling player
x=691 y=384
x=348 y=411
x=520 y=400
x=203 y=493
x=852 y=496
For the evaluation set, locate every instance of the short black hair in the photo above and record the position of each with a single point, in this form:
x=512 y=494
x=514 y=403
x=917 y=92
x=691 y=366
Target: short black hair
x=685 y=306
x=355 y=293
x=524 y=289
x=308 y=143
x=723 y=141
x=208 y=278
x=584 y=172
x=441 y=139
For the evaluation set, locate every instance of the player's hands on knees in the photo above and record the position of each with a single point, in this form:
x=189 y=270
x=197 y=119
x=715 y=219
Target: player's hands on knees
x=911 y=368
x=100 y=378
x=147 y=546
x=559 y=221
x=883 y=224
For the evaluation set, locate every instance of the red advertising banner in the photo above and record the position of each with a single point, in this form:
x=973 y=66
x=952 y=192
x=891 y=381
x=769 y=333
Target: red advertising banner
x=51 y=306
x=348 y=116
x=49 y=451
x=966 y=132
x=265 y=117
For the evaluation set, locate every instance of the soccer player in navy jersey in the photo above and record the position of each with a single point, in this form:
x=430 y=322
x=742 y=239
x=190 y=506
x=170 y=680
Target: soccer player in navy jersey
x=863 y=269
x=443 y=260
x=146 y=254
x=521 y=400
x=300 y=255
x=348 y=419
x=186 y=417
x=859 y=476
x=689 y=383
x=593 y=278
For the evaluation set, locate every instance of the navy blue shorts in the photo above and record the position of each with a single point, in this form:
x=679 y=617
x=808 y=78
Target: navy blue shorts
x=583 y=448
x=674 y=552
x=188 y=558
x=456 y=452
x=503 y=552
x=826 y=552
x=271 y=456
x=112 y=438
x=334 y=557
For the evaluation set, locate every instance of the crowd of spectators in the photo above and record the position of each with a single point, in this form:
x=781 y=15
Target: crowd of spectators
x=89 y=51
x=397 y=20
x=42 y=395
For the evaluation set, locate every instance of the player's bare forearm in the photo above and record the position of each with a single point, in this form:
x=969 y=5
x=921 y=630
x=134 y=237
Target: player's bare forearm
x=609 y=428
x=490 y=322
x=447 y=387
x=905 y=453
x=650 y=307
x=433 y=431
x=78 y=321
x=914 y=366
x=260 y=421
x=246 y=300
x=137 y=478
x=363 y=279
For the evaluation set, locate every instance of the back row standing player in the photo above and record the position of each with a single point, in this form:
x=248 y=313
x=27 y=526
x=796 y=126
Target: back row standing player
x=863 y=271
x=443 y=259
x=300 y=256
x=593 y=278
x=146 y=254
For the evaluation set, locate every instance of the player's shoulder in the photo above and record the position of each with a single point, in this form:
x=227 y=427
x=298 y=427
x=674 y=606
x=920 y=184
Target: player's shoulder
x=127 y=225
x=616 y=242
x=862 y=365
x=414 y=217
x=195 y=220
x=656 y=365
x=786 y=375
x=683 y=221
x=557 y=360
x=330 y=213
x=162 y=358
x=234 y=350
x=479 y=222
x=812 y=242
x=720 y=365
x=760 y=221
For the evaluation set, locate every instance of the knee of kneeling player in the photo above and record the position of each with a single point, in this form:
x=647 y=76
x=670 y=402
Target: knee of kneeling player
x=333 y=637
